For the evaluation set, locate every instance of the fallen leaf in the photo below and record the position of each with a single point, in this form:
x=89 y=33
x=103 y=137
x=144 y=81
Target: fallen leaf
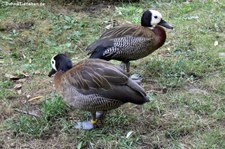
x=13 y=145
x=129 y=134
x=17 y=76
x=109 y=26
x=21 y=80
x=192 y=17
x=19 y=92
x=11 y=77
x=24 y=74
x=37 y=72
x=222 y=54
x=127 y=22
x=35 y=98
x=18 y=86
x=24 y=56
x=28 y=96
x=79 y=146
x=216 y=43
x=34 y=113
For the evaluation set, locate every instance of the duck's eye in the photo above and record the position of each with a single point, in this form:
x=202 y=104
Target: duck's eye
x=52 y=62
x=155 y=17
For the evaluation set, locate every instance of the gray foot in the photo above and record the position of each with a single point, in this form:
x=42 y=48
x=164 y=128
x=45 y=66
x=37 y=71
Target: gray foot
x=85 y=125
x=123 y=66
x=100 y=114
x=136 y=77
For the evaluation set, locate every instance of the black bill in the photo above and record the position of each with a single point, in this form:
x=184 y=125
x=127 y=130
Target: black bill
x=165 y=24
x=52 y=72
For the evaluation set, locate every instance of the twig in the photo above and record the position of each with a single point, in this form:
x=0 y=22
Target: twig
x=25 y=112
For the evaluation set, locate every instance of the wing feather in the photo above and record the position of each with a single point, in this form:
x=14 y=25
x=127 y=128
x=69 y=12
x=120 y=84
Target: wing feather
x=131 y=30
x=100 y=77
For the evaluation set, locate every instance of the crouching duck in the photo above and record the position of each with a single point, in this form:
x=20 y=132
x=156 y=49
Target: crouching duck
x=94 y=85
x=131 y=42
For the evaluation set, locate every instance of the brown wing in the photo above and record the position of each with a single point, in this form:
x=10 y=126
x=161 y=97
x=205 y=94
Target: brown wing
x=94 y=76
x=128 y=30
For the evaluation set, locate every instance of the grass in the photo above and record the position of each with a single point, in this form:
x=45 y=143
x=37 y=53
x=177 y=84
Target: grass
x=52 y=110
x=184 y=79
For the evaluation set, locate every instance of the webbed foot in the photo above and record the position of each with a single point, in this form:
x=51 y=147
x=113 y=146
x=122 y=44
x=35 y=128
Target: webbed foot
x=85 y=125
x=136 y=77
x=123 y=66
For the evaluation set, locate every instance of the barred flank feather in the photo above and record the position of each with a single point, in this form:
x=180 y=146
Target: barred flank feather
x=127 y=43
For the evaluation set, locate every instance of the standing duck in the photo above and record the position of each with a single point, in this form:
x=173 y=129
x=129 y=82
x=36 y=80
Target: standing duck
x=131 y=42
x=94 y=85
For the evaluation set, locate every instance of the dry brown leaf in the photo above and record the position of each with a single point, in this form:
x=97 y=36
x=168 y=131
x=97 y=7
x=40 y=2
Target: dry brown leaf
x=37 y=72
x=18 y=86
x=35 y=98
x=11 y=77
x=21 y=80
x=24 y=74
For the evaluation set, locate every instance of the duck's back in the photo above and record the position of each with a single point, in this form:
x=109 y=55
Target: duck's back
x=128 y=30
x=97 y=84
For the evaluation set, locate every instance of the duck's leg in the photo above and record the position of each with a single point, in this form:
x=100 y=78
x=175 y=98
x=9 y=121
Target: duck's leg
x=128 y=67
x=94 y=119
x=87 y=125
x=100 y=115
x=125 y=66
x=135 y=77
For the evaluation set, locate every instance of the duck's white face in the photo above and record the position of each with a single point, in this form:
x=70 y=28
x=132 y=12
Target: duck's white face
x=53 y=63
x=156 y=17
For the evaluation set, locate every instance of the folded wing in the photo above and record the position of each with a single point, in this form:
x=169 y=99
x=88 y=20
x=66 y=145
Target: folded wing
x=104 y=79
